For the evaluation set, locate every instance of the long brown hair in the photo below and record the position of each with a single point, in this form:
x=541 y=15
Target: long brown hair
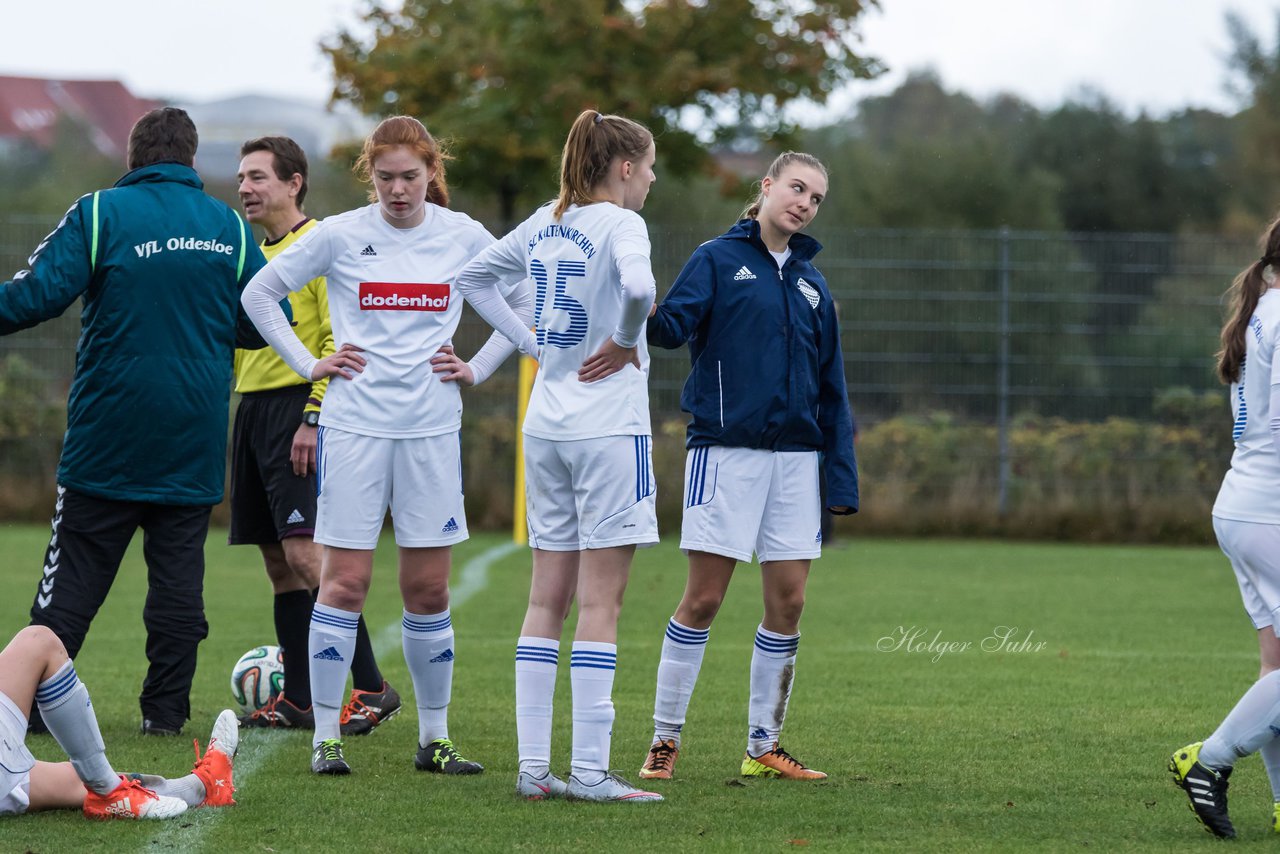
x=593 y=141
x=411 y=133
x=782 y=161
x=1242 y=298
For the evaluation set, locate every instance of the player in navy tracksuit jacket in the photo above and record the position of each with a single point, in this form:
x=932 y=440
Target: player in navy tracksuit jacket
x=769 y=408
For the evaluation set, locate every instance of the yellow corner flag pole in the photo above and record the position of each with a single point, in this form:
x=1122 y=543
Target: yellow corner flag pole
x=520 y=529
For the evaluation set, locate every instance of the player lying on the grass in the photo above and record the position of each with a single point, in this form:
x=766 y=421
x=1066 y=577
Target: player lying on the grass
x=34 y=667
x=1246 y=522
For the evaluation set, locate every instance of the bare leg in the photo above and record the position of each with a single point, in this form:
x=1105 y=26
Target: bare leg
x=55 y=786
x=551 y=591
x=34 y=655
x=784 y=583
x=602 y=581
x=424 y=578
x=709 y=576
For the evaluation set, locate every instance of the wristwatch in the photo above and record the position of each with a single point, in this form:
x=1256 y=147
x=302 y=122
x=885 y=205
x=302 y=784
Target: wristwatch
x=311 y=418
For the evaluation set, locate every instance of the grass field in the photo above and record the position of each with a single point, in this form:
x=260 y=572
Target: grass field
x=1114 y=657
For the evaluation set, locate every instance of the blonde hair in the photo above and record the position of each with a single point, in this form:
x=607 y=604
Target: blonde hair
x=593 y=141
x=1242 y=298
x=406 y=131
x=782 y=161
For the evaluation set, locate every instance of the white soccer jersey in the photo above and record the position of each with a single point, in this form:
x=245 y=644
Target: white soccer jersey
x=573 y=266
x=1251 y=489
x=391 y=293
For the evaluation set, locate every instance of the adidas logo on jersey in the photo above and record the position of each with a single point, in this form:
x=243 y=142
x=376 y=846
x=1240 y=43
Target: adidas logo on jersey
x=295 y=518
x=450 y=527
x=809 y=291
x=743 y=275
x=368 y=250
x=330 y=654
x=443 y=658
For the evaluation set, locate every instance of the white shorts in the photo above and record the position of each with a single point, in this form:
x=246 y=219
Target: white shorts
x=590 y=493
x=359 y=477
x=740 y=500
x=16 y=761
x=1254 y=551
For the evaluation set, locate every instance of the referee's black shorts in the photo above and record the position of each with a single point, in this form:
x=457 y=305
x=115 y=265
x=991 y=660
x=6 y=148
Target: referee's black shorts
x=268 y=501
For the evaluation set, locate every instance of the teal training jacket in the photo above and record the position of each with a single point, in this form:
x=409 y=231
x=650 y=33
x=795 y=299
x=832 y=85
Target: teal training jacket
x=160 y=266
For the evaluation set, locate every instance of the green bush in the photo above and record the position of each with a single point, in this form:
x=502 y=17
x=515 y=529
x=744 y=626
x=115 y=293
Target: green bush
x=32 y=421
x=1119 y=480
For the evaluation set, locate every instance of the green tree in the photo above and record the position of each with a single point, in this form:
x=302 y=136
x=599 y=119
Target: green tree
x=923 y=157
x=503 y=79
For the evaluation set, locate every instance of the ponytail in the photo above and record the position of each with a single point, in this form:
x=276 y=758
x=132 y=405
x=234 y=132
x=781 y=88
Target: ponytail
x=1242 y=299
x=593 y=142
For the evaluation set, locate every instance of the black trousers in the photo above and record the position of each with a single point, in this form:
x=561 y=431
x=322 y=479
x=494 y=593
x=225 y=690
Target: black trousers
x=90 y=536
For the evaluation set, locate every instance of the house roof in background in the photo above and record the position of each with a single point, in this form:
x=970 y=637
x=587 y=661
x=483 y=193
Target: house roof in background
x=30 y=108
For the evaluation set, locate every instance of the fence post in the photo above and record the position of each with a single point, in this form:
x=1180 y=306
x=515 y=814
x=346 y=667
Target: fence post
x=1002 y=374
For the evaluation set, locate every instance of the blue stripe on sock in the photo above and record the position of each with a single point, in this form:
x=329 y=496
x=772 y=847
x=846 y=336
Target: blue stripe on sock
x=687 y=636
x=587 y=658
x=417 y=624
x=786 y=645
x=543 y=654
x=57 y=687
x=323 y=619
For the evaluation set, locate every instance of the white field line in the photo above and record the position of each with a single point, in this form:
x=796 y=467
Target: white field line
x=186 y=833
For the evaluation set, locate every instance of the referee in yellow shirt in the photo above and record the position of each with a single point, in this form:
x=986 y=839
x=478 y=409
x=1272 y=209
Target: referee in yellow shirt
x=273 y=463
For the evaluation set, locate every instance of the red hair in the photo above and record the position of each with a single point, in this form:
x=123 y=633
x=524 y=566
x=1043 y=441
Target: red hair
x=406 y=131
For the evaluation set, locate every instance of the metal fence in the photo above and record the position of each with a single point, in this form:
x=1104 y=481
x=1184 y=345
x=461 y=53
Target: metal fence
x=987 y=326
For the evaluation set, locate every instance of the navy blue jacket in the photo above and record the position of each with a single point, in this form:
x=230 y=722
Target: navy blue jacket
x=765 y=345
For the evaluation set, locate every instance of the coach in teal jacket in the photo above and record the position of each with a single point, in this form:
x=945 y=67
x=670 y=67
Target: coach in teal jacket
x=160 y=266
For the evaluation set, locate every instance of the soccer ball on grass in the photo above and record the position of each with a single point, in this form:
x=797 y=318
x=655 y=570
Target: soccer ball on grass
x=258 y=677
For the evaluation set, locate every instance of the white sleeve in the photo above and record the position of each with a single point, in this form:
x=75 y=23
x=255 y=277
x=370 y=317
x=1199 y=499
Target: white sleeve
x=502 y=262
x=496 y=350
x=261 y=301
x=638 y=291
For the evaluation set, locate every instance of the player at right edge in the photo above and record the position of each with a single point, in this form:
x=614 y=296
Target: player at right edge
x=1246 y=522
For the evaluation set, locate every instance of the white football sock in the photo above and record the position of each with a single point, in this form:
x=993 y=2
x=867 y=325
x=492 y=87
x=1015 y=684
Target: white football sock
x=773 y=664
x=1271 y=761
x=1247 y=727
x=682 y=651
x=188 y=788
x=428 y=651
x=536 y=660
x=64 y=704
x=331 y=642
x=591 y=670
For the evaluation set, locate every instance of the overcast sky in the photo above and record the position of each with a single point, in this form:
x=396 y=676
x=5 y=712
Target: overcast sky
x=1157 y=55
